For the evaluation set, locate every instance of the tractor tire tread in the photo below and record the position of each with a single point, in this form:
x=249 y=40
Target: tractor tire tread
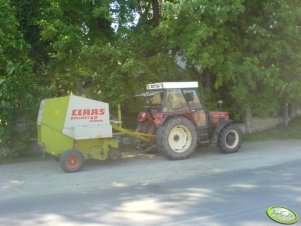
x=221 y=142
x=162 y=138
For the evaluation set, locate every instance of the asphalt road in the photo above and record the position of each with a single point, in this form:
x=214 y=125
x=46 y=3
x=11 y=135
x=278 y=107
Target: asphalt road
x=210 y=189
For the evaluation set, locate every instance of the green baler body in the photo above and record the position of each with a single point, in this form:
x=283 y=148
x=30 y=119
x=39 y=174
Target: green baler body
x=51 y=123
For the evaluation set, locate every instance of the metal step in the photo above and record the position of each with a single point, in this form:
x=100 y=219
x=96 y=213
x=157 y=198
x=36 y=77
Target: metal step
x=203 y=136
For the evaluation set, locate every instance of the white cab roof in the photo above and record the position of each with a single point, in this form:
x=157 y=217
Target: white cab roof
x=172 y=85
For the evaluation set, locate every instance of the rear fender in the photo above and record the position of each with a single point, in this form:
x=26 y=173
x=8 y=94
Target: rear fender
x=219 y=128
x=166 y=117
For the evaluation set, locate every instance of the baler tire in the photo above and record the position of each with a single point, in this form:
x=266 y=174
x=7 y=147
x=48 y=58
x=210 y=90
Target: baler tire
x=171 y=132
x=71 y=161
x=230 y=134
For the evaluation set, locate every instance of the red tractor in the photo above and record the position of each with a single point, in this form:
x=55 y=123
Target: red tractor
x=176 y=114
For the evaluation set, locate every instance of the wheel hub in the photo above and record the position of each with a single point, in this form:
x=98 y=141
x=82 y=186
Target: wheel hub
x=176 y=138
x=232 y=138
x=72 y=162
x=180 y=139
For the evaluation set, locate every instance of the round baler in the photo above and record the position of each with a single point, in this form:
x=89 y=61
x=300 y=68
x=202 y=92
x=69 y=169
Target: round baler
x=74 y=128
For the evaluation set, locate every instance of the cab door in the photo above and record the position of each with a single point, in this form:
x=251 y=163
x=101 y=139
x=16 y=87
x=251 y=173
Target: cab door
x=196 y=107
x=198 y=113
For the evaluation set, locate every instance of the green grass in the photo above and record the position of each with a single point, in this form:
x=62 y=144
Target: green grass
x=28 y=158
x=293 y=131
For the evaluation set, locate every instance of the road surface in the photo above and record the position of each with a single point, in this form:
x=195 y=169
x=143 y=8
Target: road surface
x=210 y=189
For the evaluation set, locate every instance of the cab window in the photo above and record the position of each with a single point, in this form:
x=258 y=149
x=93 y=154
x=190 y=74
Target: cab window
x=192 y=99
x=175 y=101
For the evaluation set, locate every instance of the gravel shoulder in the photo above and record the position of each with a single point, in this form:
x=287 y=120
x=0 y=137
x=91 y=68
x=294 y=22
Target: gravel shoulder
x=46 y=177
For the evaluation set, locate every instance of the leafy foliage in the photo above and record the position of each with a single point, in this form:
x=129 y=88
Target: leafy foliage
x=248 y=47
x=16 y=78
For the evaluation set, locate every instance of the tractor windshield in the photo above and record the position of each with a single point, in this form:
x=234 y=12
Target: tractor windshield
x=175 y=101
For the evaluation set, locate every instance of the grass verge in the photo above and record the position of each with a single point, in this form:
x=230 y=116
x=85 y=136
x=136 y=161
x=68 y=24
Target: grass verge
x=293 y=131
x=28 y=158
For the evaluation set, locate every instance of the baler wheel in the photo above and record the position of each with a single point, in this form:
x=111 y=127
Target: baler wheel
x=71 y=161
x=114 y=154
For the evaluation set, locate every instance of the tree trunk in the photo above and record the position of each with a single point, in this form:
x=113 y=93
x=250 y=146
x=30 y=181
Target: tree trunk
x=208 y=78
x=156 y=12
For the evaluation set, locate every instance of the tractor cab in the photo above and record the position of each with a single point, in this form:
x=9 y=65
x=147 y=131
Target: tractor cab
x=172 y=99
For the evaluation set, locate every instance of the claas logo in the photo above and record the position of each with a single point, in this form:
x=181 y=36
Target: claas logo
x=93 y=114
x=88 y=112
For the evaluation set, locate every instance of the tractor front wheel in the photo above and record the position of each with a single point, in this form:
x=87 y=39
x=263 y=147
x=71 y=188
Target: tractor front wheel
x=71 y=161
x=177 y=138
x=230 y=139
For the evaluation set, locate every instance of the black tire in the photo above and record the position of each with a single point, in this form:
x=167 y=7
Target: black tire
x=114 y=154
x=148 y=128
x=177 y=138
x=71 y=161
x=230 y=139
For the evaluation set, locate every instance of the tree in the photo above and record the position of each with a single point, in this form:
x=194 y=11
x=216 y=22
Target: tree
x=28 y=14
x=241 y=47
x=86 y=51
x=16 y=77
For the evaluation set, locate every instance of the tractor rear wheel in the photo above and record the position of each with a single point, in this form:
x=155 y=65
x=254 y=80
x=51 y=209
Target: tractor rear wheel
x=148 y=128
x=177 y=138
x=71 y=161
x=230 y=139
